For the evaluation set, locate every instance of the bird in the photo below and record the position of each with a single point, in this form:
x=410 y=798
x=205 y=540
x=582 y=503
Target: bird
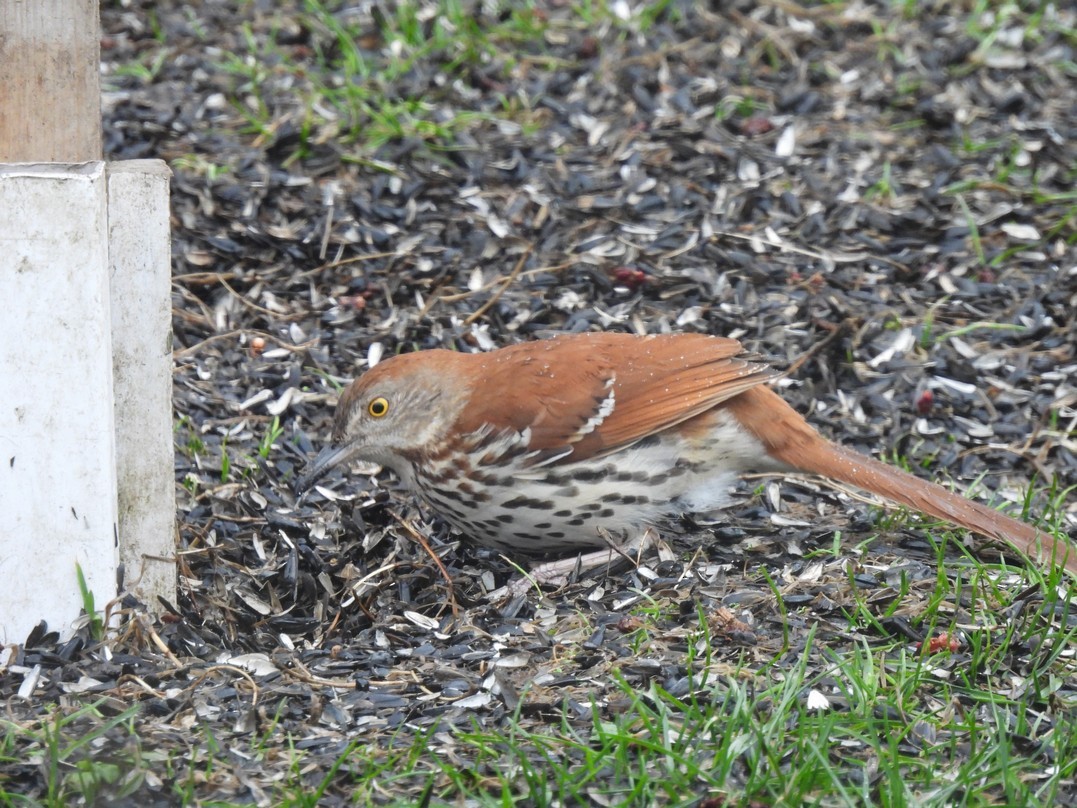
x=552 y=446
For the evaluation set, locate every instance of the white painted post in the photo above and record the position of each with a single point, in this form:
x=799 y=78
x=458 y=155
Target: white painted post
x=57 y=455
x=86 y=466
x=141 y=291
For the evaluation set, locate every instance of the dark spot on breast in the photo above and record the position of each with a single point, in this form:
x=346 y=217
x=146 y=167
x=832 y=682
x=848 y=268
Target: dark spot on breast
x=590 y=475
x=438 y=495
x=528 y=502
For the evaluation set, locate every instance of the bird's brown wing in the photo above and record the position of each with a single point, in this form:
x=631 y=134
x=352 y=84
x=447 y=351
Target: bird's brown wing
x=587 y=395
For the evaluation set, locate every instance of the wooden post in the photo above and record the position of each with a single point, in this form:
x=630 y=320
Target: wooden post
x=50 y=91
x=86 y=466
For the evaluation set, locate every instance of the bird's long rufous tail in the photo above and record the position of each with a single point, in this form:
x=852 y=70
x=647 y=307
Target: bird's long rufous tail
x=791 y=440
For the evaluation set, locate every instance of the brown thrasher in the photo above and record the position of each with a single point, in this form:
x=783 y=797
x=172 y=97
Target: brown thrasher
x=536 y=447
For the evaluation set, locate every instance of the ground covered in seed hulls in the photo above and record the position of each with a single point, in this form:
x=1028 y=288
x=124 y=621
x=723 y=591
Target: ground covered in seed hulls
x=877 y=196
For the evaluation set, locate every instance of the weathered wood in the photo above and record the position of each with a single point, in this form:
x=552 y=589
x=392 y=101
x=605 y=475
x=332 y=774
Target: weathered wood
x=50 y=96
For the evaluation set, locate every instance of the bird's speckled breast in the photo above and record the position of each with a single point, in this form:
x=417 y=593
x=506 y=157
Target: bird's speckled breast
x=559 y=507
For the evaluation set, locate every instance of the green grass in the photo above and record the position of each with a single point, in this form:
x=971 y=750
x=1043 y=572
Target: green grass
x=60 y=746
x=347 y=81
x=345 y=84
x=894 y=725
x=199 y=165
x=852 y=715
x=95 y=622
x=243 y=463
x=883 y=188
x=273 y=432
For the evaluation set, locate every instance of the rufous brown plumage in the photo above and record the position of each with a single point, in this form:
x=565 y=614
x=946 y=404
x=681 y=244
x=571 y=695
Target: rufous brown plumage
x=535 y=447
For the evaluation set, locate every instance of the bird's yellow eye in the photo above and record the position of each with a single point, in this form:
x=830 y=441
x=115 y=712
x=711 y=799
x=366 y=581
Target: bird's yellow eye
x=378 y=406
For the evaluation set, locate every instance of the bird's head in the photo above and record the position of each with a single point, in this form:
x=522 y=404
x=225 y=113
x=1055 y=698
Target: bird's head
x=394 y=412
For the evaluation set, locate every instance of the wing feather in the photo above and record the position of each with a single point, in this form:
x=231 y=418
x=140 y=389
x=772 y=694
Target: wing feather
x=593 y=394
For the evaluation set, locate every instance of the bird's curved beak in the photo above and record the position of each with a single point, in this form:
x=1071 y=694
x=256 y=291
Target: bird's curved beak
x=328 y=458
